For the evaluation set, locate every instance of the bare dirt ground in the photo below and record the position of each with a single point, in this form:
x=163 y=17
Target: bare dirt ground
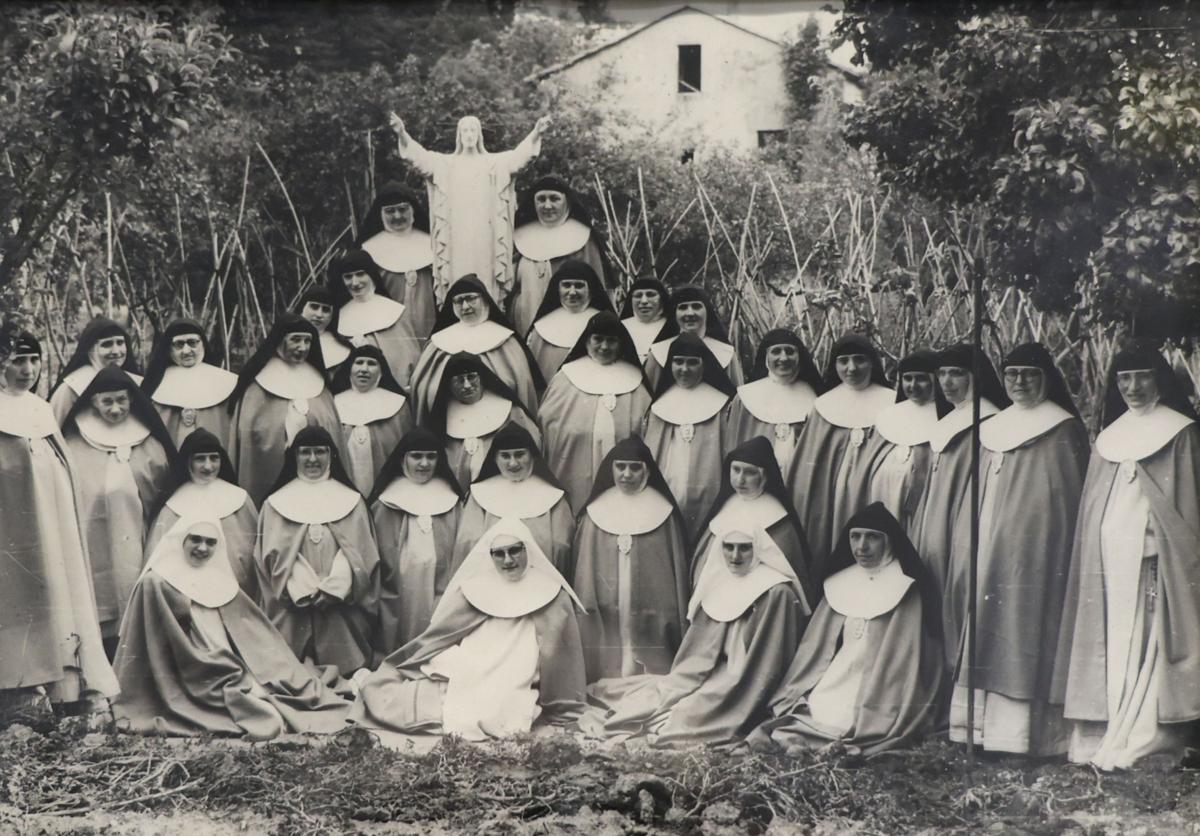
x=65 y=781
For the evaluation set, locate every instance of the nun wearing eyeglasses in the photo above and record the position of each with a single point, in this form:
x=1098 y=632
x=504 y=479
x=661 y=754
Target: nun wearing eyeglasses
x=692 y=312
x=1129 y=650
x=597 y=398
x=501 y=655
x=574 y=296
x=373 y=410
x=102 y=343
x=317 y=305
x=867 y=671
x=644 y=314
x=197 y=656
x=1033 y=458
x=318 y=565
x=747 y=615
x=415 y=506
x=188 y=388
x=631 y=569
x=395 y=233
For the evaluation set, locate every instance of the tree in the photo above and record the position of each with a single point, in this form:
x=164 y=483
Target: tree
x=803 y=63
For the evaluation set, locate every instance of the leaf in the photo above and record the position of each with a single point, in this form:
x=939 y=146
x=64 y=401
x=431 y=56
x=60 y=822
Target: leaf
x=179 y=123
x=152 y=83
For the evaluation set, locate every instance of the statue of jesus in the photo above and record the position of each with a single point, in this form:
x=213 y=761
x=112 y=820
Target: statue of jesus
x=471 y=203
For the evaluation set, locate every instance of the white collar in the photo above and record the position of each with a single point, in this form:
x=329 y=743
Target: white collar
x=399 y=252
x=594 y=378
x=738 y=514
x=376 y=313
x=856 y=593
x=643 y=333
x=959 y=419
x=726 y=596
x=290 y=382
x=1016 y=425
x=199 y=387
x=314 y=502
x=521 y=500
x=777 y=403
x=722 y=351
x=473 y=339
x=332 y=351
x=562 y=328
x=539 y=242
x=81 y=378
x=501 y=598
x=619 y=513
x=26 y=416
x=361 y=408
x=689 y=406
x=854 y=408
x=216 y=499
x=103 y=435
x=1133 y=437
x=907 y=424
x=479 y=419
x=735 y=595
x=433 y=498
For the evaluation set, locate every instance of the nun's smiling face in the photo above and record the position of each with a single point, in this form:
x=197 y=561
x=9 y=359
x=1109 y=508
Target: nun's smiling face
x=112 y=407
x=783 y=361
x=469 y=308
x=204 y=467
x=687 y=371
x=956 y=383
x=647 y=304
x=466 y=387
x=604 y=348
x=747 y=480
x=869 y=547
x=419 y=465
x=110 y=351
x=630 y=475
x=551 y=206
x=398 y=217
x=187 y=350
x=1026 y=385
x=365 y=373
x=918 y=386
x=358 y=283
x=21 y=372
x=509 y=557
x=1138 y=387
x=312 y=462
x=200 y=543
x=319 y=314
x=738 y=551
x=574 y=294
x=854 y=370
x=692 y=318
x=515 y=464
x=293 y=348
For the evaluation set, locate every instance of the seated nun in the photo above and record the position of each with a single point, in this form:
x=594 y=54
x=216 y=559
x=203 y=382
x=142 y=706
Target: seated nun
x=516 y=483
x=317 y=306
x=121 y=452
x=102 y=343
x=685 y=425
x=366 y=316
x=751 y=496
x=631 y=567
x=828 y=477
x=280 y=391
x=470 y=407
x=869 y=667
x=197 y=656
x=903 y=462
x=203 y=483
x=318 y=566
x=395 y=233
x=574 y=296
x=1127 y=660
x=188 y=388
x=49 y=631
x=692 y=312
x=597 y=398
x=501 y=656
x=415 y=506
x=373 y=410
x=644 y=314
x=776 y=403
x=471 y=321
x=746 y=615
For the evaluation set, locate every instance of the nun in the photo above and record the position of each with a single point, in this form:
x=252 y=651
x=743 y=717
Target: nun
x=686 y=423
x=188 y=388
x=900 y=473
x=470 y=407
x=317 y=306
x=1033 y=458
x=776 y=403
x=203 y=483
x=373 y=410
x=747 y=614
x=317 y=562
x=366 y=316
x=471 y=321
x=198 y=657
x=828 y=477
x=644 y=314
x=516 y=483
x=692 y=312
x=49 y=627
x=395 y=233
x=280 y=391
x=102 y=343
x=867 y=671
x=501 y=655
x=122 y=452
x=631 y=567
x=574 y=296
x=1128 y=651
x=415 y=506
x=551 y=226
x=597 y=398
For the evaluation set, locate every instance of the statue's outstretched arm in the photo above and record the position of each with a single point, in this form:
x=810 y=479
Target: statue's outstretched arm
x=529 y=147
x=411 y=150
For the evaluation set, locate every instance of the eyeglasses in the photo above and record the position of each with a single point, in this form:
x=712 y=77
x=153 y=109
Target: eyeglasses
x=1014 y=374
x=185 y=342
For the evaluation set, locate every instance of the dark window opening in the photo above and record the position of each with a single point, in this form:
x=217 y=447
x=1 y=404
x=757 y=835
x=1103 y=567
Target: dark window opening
x=768 y=138
x=689 y=68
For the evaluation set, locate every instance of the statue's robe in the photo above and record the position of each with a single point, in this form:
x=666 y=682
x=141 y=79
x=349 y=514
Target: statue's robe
x=899 y=476
x=405 y=260
x=684 y=430
x=554 y=335
x=542 y=507
x=656 y=360
x=385 y=324
x=372 y=425
x=469 y=431
x=776 y=411
x=66 y=393
x=187 y=399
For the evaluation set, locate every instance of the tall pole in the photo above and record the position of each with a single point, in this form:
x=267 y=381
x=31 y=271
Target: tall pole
x=973 y=556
